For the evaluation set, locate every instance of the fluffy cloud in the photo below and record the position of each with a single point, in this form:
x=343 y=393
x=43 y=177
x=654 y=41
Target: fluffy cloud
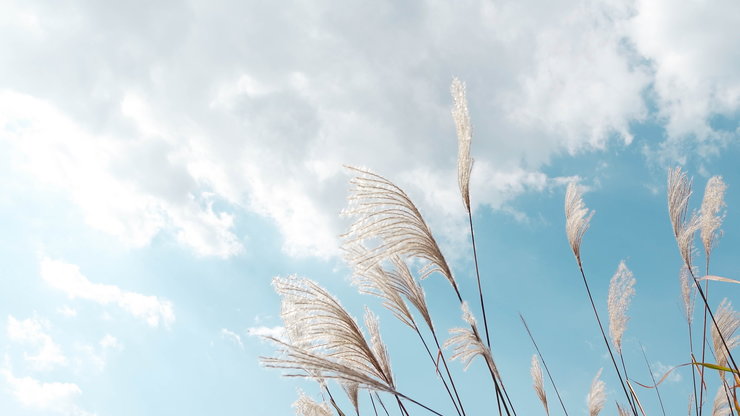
x=32 y=331
x=67 y=278
x=175 y=118
x=266 y=331
x=50 y=396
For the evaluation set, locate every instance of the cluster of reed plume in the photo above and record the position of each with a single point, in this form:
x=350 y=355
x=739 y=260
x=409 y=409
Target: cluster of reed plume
x=323 y=342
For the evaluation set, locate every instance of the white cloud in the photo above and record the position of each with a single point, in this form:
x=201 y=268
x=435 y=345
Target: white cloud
x=67 y=311
x=67 y=278
x=266 y=331
x=694 y=61
x=32 y=331
x=150 y=142
x=58 y=397
x=225 y=333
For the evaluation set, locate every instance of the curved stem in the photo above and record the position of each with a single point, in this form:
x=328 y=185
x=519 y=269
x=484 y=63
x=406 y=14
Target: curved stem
x=603 y=334
x=477 y=275
x=439 y=374
x=544 y=363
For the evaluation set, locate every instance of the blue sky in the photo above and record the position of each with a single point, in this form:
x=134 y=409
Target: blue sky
x=161 y=163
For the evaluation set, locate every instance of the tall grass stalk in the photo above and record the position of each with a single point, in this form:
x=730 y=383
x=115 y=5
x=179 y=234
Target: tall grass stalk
x=544 y=363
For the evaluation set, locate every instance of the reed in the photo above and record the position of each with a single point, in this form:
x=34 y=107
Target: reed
x=323 y=342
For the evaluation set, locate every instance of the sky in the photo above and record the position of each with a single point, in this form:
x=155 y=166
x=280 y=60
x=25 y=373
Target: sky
x=161 y=162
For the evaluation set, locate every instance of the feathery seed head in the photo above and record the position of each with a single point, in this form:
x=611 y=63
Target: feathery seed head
x=577 y=218
x=720 y=407
x=305 y=406
x=596 y=396
x=679 y=191
x=711 y=205
x=385 y=213
x=352 y=390
x=687 y=293
x=328 y=331
x=728 y=322
x=467 y=315
x=621 y=411
x=621 y=290
x=537 y=382
x=464 y=135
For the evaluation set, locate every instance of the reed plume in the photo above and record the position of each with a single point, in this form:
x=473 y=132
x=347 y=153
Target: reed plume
x=305 y=406
x=352 y=390
x=538 y=383
x=328 y=327
x=384 y=212
x=621 y=290
x=464 y=167
x=461 y=116
x=720 y=406
x=577 y=218
x=728 y=321
x=596 y=396
x=621 y=411
x=711 y=219
x=687 y=294
x=467 y=344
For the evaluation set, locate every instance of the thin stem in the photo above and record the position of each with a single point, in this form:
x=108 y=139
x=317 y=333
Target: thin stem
x=714 y=321
x=703 y=350
x=382 y=404
x=417 y=403
x=477 y=275
x=495 y=381
x=694 y=368
x=626 y=377
x=373 y=403
x=543 y=363
x=333 y=403
x=401 y=407
x=447 y=369
x=650 y=370
x=729 y=402
x=603 y=334
x=438 y=373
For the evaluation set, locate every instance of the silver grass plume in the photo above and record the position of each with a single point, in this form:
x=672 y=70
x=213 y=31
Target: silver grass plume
x=692 y=398
x=687 y=293
x=300 y=360
x=326 y=327
x=404 y=283
x=376 y=281
x=720 y=407
x=305 y=406
x=621 y=411
x=596 y=396
x=728 y=322
x=390 y=285
x=679 y=191
x=537 y=381
x=464 y=135
x=577 y=218
x=352 y=390
x=621 y=289
x=380 y=352
x=384 y=212
x=466 y=343
x=711 y=205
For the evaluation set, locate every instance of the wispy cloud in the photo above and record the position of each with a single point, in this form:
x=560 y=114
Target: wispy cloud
x=67 y=278
x=225 y=333
x=266 y=331
x=32 y=331
x=58 y=397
